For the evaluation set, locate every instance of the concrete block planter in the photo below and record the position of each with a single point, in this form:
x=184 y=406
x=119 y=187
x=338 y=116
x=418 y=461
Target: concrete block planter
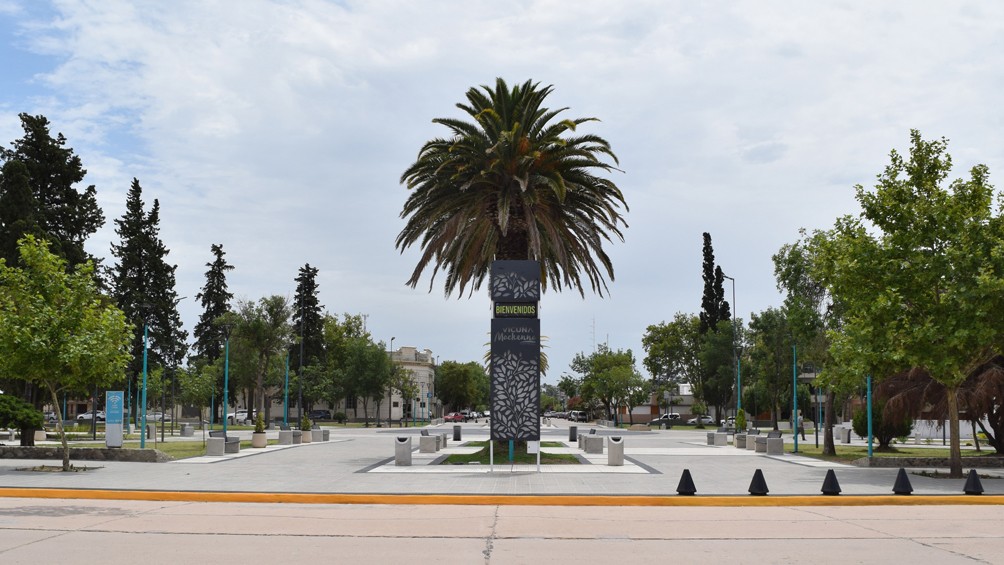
x=317 y=435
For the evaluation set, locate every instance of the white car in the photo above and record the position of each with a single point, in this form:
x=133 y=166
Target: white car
x=704 y=420
x=86 y=416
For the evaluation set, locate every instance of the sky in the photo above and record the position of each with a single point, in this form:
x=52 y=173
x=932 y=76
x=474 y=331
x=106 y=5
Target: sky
x=280 y=129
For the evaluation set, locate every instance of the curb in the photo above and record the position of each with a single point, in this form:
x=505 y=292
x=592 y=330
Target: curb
x=501 y=500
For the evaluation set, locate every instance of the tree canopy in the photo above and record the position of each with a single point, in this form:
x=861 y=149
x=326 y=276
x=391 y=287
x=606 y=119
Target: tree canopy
x=921 y=273
x=515 y=182
x=56 y=329
x=54 y=208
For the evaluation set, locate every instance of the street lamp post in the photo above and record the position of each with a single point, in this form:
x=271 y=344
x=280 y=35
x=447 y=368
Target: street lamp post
x=285 y=394
x=299 y=373
x=142 y=432
x=226 y=376
x=390 y=393
x=735 y=352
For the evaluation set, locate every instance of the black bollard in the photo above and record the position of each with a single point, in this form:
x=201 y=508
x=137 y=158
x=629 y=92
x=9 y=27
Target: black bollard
x=830 y=485
x=973 y=484
x=902 y=485
x=573 y=433
x=686 y=486
x=758 y=486
x=456 y=433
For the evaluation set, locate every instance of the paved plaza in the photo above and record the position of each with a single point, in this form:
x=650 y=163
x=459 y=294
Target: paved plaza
x=429 y=513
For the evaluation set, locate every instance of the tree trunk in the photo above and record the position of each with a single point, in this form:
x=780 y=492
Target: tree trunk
x=828 y=447
x=59 y=428
x=955 y=449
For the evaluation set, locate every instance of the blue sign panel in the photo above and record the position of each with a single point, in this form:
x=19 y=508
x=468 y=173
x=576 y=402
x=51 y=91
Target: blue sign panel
x=114 y=407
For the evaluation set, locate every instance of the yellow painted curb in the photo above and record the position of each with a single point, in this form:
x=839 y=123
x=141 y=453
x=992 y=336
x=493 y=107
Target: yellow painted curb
x=502 y=500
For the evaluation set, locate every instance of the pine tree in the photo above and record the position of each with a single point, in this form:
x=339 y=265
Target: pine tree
x=63 y=215
x=18 y=210
x=307 y=319
x=215 y=300
x=143 y=285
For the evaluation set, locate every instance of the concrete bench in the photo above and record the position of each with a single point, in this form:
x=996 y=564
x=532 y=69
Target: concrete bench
x=428 y=444
x=775 y=446
x=740 y=441
x=751 y=436
x=718 y=438
x=231 y=444
x=187 y=430
x=762 y=442
x=593 y=444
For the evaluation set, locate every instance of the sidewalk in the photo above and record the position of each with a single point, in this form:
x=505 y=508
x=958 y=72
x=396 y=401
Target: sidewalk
x=360 y=461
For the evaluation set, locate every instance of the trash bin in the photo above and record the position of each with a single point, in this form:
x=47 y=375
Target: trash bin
x=573 y=433
x=297 y=437
x=456 y=433
x=402 y=451
x=151 y=431
x=615 y=452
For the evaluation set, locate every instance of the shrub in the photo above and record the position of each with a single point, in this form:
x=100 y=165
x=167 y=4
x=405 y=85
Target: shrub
x=305 y=424
x=339 y=417
x=883 y=430
x=741 y=419
x=259 y=423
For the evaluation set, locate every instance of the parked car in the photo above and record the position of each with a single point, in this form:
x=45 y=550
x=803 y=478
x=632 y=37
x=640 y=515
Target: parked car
x=319 y=415
x=729 y=422
x=157 y=416
x=578 y=416
x=703 y=419
x=86 y=416
x=238 y=416
x=666 y=419
x=454 y=417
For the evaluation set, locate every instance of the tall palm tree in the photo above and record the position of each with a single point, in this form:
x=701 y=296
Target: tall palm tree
x=513 y=184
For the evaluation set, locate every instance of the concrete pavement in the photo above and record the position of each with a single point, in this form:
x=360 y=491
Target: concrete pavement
x=590 y=513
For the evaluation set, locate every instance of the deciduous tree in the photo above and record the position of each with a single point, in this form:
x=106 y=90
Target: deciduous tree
x=57 y=330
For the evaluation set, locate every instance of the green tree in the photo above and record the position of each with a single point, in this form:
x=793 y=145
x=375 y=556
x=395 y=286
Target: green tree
x=143 y=286
x=215 y=300
x=196 y=386
x=18 y=210
x=714 y=307
x=885 y=427
x=771 y=358
x=921 y=274
x=718 y=369
x=264 y=328
x=717 y=351
x=307 y=316
x=513 y=183
x=812 y=310
x=607 y=376
x=457 y=384
x=16 y=413
x=367 y=369
x=672 y=350
x=57 y=330
x=65 y=215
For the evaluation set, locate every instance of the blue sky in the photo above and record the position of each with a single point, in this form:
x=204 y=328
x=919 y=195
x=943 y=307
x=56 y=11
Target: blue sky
x=280 y=129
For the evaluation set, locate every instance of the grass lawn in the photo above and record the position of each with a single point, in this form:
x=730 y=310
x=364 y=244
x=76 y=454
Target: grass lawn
x=847 y=454
x=502 y=455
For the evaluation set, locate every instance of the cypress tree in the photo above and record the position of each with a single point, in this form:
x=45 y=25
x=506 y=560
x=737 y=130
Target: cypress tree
x=307 y=314
x=63 y=215
x=143 y=285
x=714 y=307
x=215 y=300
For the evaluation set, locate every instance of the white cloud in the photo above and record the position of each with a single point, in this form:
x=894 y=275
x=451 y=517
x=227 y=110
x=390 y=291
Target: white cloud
x=280 y=129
